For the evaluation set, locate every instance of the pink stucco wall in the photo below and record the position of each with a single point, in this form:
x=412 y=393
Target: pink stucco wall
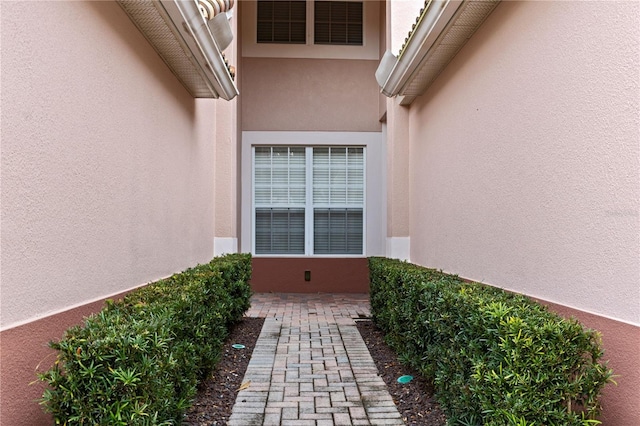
x=621 y=342
x=398 y=197
x=524 y=169
x=25 y=354
x=226 y=181
x=107 y=177
x=524 y=157
x=288 y=94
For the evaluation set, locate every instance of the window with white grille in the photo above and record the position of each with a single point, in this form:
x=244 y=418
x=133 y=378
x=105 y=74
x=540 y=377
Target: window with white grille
x=309 y=200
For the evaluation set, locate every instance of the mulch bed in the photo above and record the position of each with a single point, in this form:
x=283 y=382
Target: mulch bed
x=216 y=396
x=414 y=400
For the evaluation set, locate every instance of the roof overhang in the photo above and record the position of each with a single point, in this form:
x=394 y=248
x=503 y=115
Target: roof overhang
x=186 y=42
x=442 y=28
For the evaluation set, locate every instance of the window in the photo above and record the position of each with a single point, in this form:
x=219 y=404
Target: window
x=285 y=22
x=338 y=22
x=282 y=22
x=309 y=200
x=268 y=32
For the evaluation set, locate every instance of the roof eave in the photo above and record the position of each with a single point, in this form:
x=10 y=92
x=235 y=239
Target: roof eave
x=183 y=39
x=428 y=50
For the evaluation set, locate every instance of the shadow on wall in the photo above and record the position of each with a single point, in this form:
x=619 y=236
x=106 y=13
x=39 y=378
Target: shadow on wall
x=121 y=26
x=500 y=16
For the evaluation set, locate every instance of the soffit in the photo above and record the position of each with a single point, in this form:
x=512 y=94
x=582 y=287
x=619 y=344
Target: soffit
x=468 y=18
x=153 y=21
x=441 y=30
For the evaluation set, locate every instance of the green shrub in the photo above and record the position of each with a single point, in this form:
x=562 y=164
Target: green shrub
x=496 y=358
x=138 y=361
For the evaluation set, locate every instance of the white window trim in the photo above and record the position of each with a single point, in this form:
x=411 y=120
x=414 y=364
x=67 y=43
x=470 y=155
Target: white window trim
x=370 y=34
x=308 y=212
x=375 y=207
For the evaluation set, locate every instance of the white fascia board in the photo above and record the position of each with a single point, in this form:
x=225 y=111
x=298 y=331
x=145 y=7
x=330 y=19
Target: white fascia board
x=423 y=37
x=192 y=29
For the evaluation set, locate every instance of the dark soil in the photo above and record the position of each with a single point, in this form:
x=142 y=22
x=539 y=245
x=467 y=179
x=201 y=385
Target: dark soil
x=414 y=400
x=216 y=396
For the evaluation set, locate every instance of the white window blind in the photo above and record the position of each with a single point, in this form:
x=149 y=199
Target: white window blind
x=338 y=176
x=338 y=198
x=337 y=231
x=280 y=199
x=332 y=199
x=279 y=231
x=280 y=176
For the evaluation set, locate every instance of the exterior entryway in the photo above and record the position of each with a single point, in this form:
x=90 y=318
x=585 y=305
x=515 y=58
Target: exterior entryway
x=310 y=366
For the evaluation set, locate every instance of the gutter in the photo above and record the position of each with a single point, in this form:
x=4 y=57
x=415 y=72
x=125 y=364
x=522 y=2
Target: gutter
x=190 y=41
x=428 y=50
x=205 y=53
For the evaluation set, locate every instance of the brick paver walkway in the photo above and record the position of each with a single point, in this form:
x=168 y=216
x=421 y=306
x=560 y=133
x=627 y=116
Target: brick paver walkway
x=311 y=367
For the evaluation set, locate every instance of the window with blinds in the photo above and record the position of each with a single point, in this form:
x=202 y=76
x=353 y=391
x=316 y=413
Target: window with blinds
x=338 y=22
x=280 y=200
x=334 y=22
x=282 y=22
x=338 y=198
x=309 y=200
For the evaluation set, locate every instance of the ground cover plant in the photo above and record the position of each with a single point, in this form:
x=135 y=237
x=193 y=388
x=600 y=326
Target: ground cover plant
x=496 y=358
x=139 y=360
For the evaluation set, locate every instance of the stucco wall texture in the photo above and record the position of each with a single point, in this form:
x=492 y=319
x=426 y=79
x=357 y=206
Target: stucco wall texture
x=226 y=179
x=403 y=14
x=309 y=94
x=107 y=177
x=525 y=157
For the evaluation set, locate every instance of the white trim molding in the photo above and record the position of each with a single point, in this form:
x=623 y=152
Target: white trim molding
x=224 y=245
x=399 y=248
x=375 y=198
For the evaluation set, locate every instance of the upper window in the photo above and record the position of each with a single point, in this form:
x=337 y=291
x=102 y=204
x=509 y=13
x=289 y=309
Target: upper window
x=308 y=200
x=338 y=22
x=313 y=29
x=285 y=22
x=282 y=21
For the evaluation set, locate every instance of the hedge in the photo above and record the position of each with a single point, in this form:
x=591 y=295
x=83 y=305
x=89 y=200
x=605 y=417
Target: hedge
x=495 y=358
x=138 y=361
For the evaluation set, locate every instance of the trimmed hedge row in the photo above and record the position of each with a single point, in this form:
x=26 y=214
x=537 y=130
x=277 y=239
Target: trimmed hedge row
x=138 y=361
x=496 y=358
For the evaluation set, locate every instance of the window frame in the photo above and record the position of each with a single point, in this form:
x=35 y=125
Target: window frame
x=375 y=201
